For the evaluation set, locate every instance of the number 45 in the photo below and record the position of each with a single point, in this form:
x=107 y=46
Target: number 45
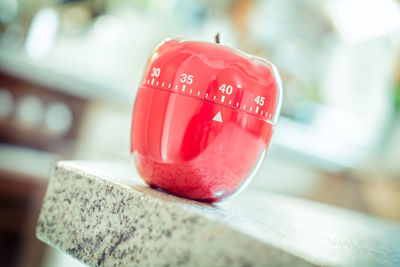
x=259 y=100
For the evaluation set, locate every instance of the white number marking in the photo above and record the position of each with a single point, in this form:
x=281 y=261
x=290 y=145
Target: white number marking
x=155 y=72
x=259 y=100
x=186 y=78
x=224 y=88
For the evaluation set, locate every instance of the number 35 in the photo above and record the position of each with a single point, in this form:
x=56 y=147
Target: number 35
x=185 y=78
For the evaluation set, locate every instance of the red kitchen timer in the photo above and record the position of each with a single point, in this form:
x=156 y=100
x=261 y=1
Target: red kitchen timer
x=203 y=118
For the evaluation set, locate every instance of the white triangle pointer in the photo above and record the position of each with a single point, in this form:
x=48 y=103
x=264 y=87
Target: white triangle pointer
x=218 y=117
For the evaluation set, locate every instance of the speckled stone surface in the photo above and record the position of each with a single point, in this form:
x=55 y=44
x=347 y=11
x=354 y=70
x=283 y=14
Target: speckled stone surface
x=103 y=214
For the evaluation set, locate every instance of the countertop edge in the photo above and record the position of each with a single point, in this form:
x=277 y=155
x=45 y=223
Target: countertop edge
x=93 y=239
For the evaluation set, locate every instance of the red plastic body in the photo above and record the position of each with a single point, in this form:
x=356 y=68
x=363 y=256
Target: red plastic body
x=203 y=116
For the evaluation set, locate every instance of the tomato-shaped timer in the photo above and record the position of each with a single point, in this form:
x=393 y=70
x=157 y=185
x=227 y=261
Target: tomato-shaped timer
x=203 y=118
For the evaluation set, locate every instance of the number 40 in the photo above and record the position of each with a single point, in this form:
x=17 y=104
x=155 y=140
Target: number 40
x=226 y=89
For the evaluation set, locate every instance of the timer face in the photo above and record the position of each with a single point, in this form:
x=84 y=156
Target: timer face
x=203 y=118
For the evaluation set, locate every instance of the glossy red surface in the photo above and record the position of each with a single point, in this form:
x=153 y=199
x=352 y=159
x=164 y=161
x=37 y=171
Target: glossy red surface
x=198 y=129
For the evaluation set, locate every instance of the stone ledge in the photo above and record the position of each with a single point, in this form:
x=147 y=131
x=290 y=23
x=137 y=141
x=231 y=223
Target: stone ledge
x=103 y=214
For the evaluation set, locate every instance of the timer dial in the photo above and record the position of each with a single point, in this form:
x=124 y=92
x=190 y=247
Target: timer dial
x=203 y=118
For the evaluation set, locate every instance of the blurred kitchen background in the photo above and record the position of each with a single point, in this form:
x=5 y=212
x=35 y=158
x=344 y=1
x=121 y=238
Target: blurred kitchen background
x=69 y=70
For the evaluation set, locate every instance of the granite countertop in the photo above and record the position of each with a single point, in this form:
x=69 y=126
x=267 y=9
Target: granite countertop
x=103 y=214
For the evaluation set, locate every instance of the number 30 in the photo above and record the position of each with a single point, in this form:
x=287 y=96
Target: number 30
x=155 y=72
